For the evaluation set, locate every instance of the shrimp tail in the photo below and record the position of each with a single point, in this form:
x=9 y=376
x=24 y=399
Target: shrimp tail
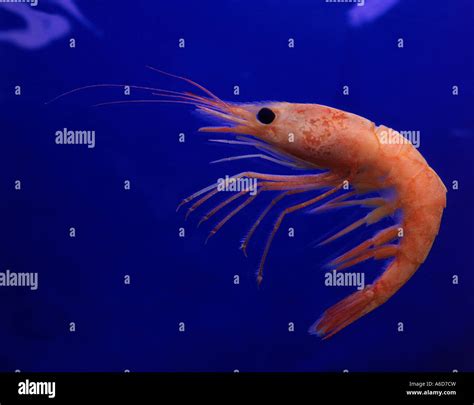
x=345 y=312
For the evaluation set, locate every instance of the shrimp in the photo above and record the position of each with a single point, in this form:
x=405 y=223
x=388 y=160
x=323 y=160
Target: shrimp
x=353 y=149
x=341 y=148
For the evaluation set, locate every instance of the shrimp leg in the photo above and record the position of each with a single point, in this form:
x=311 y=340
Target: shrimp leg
x=243 y=205
x=280 y=220
x=384 y=236
x=253 y=175
x=337 y=199
x=231 y=214
x=222 y=205
x=256 y=155
x=379 y=252
x=371 y=218
x=199 y=202
x=367 y=202
x=278 y=198
x=292 y=187
x=305 y=185
x=274 y=201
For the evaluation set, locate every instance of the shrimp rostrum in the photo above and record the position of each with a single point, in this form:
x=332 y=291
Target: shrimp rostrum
x=337 y=149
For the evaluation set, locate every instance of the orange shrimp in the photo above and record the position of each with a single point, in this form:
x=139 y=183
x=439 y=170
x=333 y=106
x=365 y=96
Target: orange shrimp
x=350 y=150
x=353 y=149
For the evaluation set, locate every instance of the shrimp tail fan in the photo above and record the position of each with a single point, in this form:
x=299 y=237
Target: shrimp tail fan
x=344 y=313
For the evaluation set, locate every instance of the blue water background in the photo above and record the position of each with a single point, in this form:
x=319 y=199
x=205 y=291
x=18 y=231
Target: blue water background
x=135 y=232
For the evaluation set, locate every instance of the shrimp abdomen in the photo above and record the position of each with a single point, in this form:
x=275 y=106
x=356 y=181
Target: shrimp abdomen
x=422 y=200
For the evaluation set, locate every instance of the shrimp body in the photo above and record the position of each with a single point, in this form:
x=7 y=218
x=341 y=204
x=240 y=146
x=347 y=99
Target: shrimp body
x=338 y=148
x=420 y=195
x=371 y=158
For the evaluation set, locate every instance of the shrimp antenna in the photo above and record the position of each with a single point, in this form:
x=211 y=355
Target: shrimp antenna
x=146 y=101
x=106 y=85
x=208 y=92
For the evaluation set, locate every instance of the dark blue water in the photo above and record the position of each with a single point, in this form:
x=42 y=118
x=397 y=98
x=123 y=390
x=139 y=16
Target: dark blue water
x=135 y=232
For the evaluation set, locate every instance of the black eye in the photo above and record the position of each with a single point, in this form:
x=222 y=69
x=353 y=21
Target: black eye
x=266 y=116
